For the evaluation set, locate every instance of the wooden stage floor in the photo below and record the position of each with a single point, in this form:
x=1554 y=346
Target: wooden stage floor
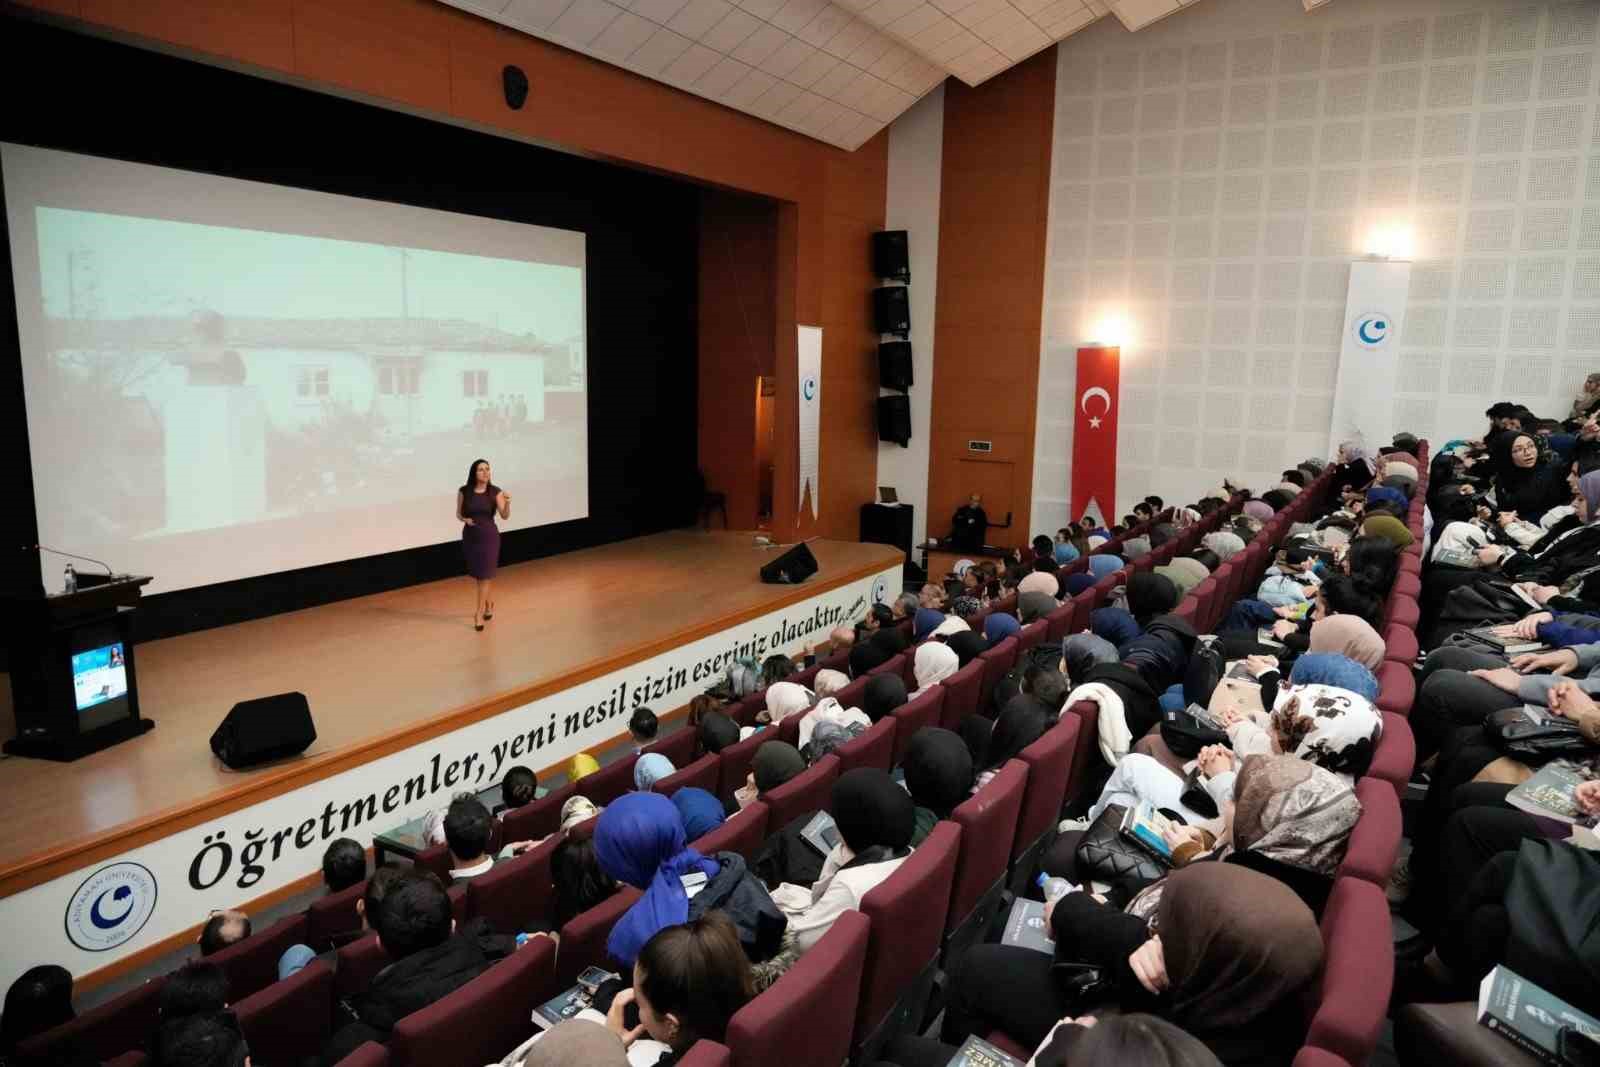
x=381 y=669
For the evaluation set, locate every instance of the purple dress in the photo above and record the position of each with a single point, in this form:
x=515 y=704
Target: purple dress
x=480 y=542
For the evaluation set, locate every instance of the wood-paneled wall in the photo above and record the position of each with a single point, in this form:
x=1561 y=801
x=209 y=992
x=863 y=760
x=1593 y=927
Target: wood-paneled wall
x=993 y=219
x=428 y=57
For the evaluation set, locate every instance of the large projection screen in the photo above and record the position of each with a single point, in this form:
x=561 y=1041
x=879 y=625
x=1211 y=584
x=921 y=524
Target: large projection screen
x=227 y=378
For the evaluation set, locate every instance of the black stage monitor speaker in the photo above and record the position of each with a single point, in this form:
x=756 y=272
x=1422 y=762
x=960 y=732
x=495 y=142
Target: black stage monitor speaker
x=260 y=731
x=891 y=309
x=894 y=419
x=894 y=365
x=890 y=255
x=791 y=568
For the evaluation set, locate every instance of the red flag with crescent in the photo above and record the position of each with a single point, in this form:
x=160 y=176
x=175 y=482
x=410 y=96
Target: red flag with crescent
x=1094 y=434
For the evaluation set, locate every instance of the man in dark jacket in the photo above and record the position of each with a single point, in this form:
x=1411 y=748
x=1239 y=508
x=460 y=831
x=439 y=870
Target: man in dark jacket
x=432 y=959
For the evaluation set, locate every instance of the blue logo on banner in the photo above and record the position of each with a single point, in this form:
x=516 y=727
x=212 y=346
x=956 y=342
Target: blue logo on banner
x=111 y=906
x=808 y=388
x=880 y=590
x=1372 y=329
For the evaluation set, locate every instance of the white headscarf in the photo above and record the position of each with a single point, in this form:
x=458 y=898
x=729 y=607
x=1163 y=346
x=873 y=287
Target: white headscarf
x=934 y=662
x=953 y=624
x=830 y=710
x=1225 y=544
x=786 y=698
x=829 y=681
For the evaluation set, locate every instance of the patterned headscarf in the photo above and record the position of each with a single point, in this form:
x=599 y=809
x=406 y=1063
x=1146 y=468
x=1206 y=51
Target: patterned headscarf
x=1294 y=812
x=1333 y=728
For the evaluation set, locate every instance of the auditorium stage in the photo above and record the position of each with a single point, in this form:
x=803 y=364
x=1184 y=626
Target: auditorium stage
x=386 y=674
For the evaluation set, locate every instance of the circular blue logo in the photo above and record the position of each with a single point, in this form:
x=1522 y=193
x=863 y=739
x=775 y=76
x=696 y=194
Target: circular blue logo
x=111 y=906
x=808 y=388
x=1372 y=329
x=880 y=590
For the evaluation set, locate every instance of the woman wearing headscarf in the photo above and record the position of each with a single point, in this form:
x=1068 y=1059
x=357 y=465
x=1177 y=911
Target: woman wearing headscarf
x=785 y=699
x=1348 y=635
x=999 y=626
x=716 y=732
x=1380 y=494
x=775 y=762
x=578 y=1042
x=1135 y=548
x=1527 y=481
x=1084 y=651
x=967 y=646
x=1226 y=957
x=1116 y=625
x=1102 y=564
x=1333 y=728
x=1184 y=572
x=1328 y=668
x=1078 y=583
x=934 y=662
x=1037 y=581
x=639 y=839
x=1064 y=552
x=1225 y=543
x=1149 y=595
x=865 y=655
x=925 y=622
x=1258 y=509
x=1035 y=606
x=1354 y=471
x=649 y=769
x=1022 y=722
x=952 y=624
x=875 y=819
x=883 y=694
x=829 y=712
x=1389 y=528
x=700 y=811
x=828 y=682
x=938 y=770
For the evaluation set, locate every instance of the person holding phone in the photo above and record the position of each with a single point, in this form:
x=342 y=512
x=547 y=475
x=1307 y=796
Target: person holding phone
x=477 y=504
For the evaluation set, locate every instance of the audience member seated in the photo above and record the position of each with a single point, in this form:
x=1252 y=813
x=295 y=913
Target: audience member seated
x=224 y=928
x=643 y=728
x=827 y=682
x=933 y=663
x=999 y=625
x=212 y=1039
x=775 y=762
x=640 y=840
x=344 y=864
x=785 y=699
x=939 y=776
x=196 y=988
x=582 y=1041
x=775 y=669
x=580 y=882
x=39 y=1000
x=468 y=827
x=1234 y=952
x=716 y=732
x=687 y=984
x=969 y=526
x=1020 y=723
x=431 y=959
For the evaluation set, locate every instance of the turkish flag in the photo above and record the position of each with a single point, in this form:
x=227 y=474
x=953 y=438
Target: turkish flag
x=1094 y=434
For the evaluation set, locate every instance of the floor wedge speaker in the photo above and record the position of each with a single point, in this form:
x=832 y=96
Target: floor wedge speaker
x=791 y=568
x=263 y=730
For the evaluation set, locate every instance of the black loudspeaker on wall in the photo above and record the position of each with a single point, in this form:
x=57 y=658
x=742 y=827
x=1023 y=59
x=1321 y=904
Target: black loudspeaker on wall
x=891 y=255
x=894 y=419
x=894 y=365
x=791 y=568
x=263 y=730
x=891 y=309
x=516 y=87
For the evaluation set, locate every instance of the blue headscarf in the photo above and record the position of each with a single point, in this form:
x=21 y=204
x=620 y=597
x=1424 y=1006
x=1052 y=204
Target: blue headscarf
x=1115 y=625
x=926 y=621
x=1104 y=563
x=1332 y=668
x=700 y=811
x=1077 y=583
x=1064 y=553
x=999 y=626
x=1382 y=494
x=649 y=769
x=639 y=840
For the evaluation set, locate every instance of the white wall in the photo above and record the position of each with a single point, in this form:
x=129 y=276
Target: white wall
x=1215 y=174
x=916 y=153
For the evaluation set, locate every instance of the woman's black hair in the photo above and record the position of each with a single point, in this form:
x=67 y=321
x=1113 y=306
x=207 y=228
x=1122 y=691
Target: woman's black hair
x=40 y=1000
x=1373 y=560
x=1295 y=476
x=472 y=476
x=1211 y=560
x=699 y=973
x=579 y=881
x=1120 y=1040
x=1042 y=545
x=1045 y=564
x=1351 y=596
x=776 y=669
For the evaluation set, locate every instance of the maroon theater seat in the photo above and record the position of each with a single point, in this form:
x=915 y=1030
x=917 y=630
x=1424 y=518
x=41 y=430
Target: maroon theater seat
x=1375 y=841
x=874 y=747
x=518 y=893
x=610 y=781
x=120 y=1024
x=1087 y=749
x=291 y=1019
x=1407 y=584
x=436 y=861
x=1400 y=644
x=706 y=1054
x=356 y=964
x=583 y=939
x=806 y=1016
x=1049 y=761
x=743 y=832
x=962 y=695
x=252 y=964
x=745 y=711
x=1186 y=611
x=538 y=818
x=1403 y=611
x=332 y=915
x=1397 y=687
x=1031 y=635
x=483 y=1019
x=1317 y=1057
x=1396 y=754
x=907 y=911
x=850 y=695
x=678 y=746
x=369 y=1054
x=925 y=710
x=1352 y=995
x=996 y=662
x=1205 y=595
x=1060 y=622
x=703 y=773
x=988 y=821
x=810 y=790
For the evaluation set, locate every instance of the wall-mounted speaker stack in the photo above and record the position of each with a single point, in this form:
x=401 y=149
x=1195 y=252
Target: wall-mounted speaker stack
x=891 y=310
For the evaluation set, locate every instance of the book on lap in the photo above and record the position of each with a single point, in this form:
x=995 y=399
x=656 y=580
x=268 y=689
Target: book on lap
x=1550 y=793
x=1025 y=927
x=1536 y=1020
x=977 y=1052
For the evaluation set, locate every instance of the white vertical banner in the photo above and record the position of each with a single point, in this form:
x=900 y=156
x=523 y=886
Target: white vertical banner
x=1374 y=314
x=810 y=351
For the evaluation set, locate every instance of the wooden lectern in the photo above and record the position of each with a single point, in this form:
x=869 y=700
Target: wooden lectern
x=72 y=671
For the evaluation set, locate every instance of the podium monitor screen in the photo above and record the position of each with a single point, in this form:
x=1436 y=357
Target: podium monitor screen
x=99 y=676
